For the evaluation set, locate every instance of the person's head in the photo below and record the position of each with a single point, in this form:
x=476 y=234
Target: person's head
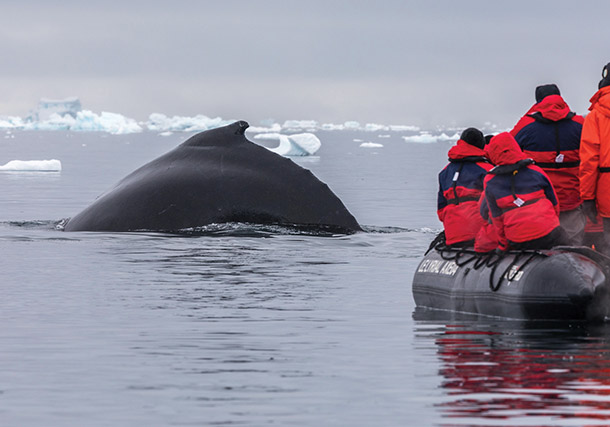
x=504 y=150
x=543 y=91
x=474 y=137
x=605 y=81
x=488 y=138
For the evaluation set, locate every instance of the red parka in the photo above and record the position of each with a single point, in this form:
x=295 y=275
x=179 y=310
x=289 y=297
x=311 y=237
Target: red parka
x=549 y=133
x=521 y=199
x=460 y=187
x=595 y=153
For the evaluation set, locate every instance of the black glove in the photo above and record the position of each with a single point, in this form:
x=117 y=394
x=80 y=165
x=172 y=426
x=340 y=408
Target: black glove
x=589 y=208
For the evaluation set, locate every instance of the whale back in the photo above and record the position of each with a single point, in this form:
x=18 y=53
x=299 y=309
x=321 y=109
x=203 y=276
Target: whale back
x=216 y=176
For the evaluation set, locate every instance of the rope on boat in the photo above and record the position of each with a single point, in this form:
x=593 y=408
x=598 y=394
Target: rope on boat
x=510 y=277
x=489 y=259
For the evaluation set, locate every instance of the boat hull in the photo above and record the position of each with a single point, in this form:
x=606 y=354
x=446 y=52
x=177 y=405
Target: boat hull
x=562 y=284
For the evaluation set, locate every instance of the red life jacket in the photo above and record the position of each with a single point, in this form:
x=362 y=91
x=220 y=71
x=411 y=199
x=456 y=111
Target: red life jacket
x=521 y=199
x=460 y=187
x=549 y=133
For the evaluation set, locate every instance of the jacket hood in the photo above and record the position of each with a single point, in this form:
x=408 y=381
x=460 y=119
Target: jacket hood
x=552 y=107
x=504 y=150
x=601 y=102
x=463 y=149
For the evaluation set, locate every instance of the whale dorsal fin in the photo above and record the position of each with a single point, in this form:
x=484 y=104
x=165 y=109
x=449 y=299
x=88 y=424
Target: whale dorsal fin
x=222 y=136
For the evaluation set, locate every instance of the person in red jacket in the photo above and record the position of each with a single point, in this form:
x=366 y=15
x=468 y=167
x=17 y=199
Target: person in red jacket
x=549 y=133
x=521 y=199
x=595 y=158
x=460 y=187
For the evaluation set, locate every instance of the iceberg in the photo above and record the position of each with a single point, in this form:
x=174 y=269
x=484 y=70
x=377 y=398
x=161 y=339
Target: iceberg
x=426 y=138
x=275 y=127
x=158 y=122
x=301 y=144
x=300 y=124
x=85 y=121
x=332 y=126
x=268 y=136
x=371 y=145
x=352 y=125
x=67 y=114
x=53 y=122
x=49 y=107
x=52 y=165
x=117 y=124
x=404 y=128
x=374 y=127
x=349 y=125
x=11 y=122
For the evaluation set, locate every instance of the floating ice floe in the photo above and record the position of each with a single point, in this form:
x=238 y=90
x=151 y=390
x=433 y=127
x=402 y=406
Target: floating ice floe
x=67 y=114
x=300 y=144
x=114 y=123
x=371 y=145
x=300 y=124
x=426 y=138
x=268 y=136
x=52 y=165
x=273 y=128
x=11 y=122
x=404 y=128
x=161 y=123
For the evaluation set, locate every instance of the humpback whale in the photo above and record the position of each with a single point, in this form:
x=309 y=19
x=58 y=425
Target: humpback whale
x=216 y=176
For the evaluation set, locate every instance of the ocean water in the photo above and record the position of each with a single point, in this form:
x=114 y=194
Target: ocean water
x=261 y=326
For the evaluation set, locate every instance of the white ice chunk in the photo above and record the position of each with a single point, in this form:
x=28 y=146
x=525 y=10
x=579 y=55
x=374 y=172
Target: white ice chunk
x=426 y=138
x=52 y=165
x=302 y=144
x=371 y=145
x=11 y=122
x=332 y=126
x=161 y=123
x=274 y=128
x=352 y=125
x=300 y=124
x=374 y=127
x=404 y=128
x=268 y=136
x=109 y=122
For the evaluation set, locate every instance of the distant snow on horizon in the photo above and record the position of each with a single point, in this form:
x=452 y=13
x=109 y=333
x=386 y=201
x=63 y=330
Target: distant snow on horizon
x=67 y=114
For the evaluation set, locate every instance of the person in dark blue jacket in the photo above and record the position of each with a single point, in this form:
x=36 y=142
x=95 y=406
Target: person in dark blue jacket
x=549 y=133
x=460 y=188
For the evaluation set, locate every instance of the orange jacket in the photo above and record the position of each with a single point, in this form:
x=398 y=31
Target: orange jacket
x=595 y=153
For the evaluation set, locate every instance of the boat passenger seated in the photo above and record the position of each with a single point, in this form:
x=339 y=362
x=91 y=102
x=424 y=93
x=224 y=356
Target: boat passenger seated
x=460 y=187
x=522 y=202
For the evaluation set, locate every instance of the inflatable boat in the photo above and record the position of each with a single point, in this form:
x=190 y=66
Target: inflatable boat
x=565 y=283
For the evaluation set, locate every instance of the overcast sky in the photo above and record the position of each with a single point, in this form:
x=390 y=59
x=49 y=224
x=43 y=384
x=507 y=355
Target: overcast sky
x=422 y=62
